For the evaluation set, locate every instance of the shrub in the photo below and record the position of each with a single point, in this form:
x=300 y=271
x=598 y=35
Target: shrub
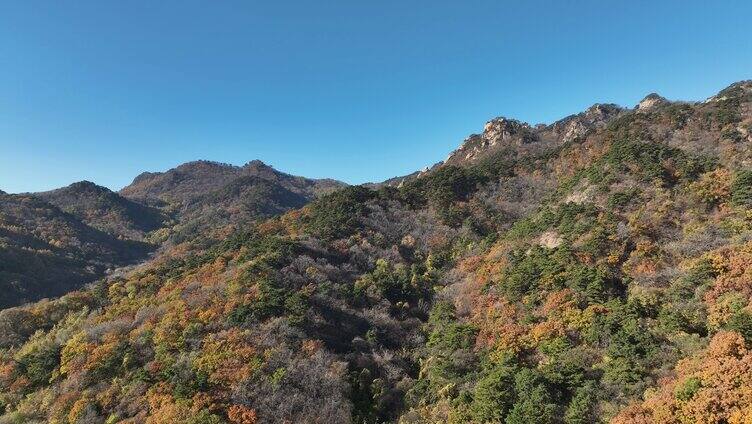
x=687 y=390
x=620 y=199
x=38 y=360
x=741 y=188
x=713 y=187
x=741 y=322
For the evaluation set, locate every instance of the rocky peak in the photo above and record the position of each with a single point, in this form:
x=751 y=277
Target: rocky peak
x=503 y=129
x=651 y=101
x=496 y=133
x=602 y=112
x=578 y=125
x=737 y=90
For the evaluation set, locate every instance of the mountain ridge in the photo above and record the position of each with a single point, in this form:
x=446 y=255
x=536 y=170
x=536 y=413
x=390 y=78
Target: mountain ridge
x=84 y=218
x=104 y=209
x=151 y=185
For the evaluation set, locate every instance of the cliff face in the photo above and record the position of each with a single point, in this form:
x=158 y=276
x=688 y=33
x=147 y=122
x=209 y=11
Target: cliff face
x=503 y=133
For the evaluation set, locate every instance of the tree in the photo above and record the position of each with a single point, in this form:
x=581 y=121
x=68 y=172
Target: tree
x=713 y=387
x=741 y=188
x=494 y=394
x=580 y=408
x=534 y=404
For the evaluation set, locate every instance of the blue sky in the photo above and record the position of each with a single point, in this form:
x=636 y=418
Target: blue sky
x=354 y=90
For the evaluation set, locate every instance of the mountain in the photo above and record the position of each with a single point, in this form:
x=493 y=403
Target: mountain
x=191 y=180
x=591 y=270
x=47 y=252
x=501 y=134
x=56 y=241
x=209 y=198
x=106 y=211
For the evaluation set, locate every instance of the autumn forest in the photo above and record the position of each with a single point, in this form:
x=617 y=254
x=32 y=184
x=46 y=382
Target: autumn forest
x=597 y=269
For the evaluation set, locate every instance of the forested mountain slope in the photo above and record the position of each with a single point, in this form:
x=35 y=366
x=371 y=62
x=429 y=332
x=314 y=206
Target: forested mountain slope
x=204 y=196
x=60 y=240
x=47 y=252
x=192 y=180
x=591 y=270
x=104 y=210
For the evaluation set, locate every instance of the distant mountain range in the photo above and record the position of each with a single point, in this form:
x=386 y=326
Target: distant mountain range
x=55 y=241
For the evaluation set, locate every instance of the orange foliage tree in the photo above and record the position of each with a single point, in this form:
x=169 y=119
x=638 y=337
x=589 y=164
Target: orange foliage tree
x=713 y=387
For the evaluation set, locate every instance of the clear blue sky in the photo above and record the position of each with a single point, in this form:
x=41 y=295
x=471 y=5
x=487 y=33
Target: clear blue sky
x=354 y=90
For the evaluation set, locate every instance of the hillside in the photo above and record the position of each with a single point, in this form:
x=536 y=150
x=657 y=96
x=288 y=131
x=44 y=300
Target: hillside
x=106 y=211
x=591 y=270
x=191 y=180
x=46 y=252
x=56 y=241
x=209 y=199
